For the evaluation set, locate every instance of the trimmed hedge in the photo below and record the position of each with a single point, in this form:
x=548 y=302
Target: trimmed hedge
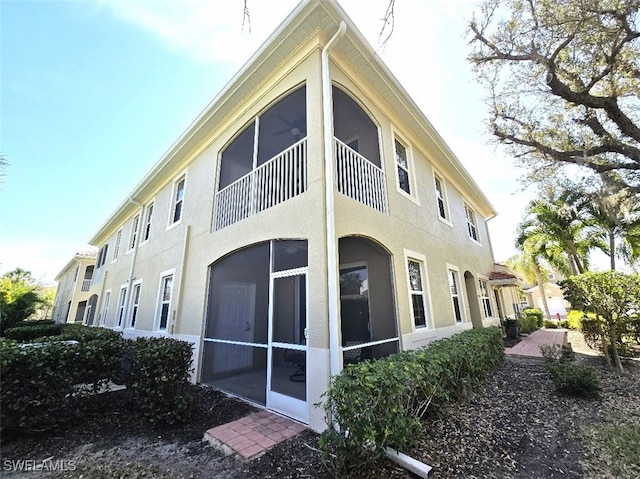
x=535 y=315
x=23 y=333
x=378 y=404
x=39 y=382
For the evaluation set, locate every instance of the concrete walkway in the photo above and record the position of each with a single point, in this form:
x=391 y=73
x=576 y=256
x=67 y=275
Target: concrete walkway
x=529 y=346
x=252 y=435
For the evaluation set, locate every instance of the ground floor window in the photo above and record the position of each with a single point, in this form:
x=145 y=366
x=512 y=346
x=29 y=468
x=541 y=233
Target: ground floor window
x=454 y=286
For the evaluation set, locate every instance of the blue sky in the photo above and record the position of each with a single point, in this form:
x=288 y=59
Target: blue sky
x=94 y=92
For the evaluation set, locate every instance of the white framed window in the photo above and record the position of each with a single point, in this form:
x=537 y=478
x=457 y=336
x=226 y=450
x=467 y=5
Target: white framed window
x=472 y=225
x=441 y=198
x=102 y=256
x=135 y=303
x=122 y=302
x=146 y=232
x=485 y=298
x=178 y=200
x=456 y=299
x=105 y=308
x=165 y=294
x=116 y=247
x=402 y=166
x=134 y=232
x=415 y=270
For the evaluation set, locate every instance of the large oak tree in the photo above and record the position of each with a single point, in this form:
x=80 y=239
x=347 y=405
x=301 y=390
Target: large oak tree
x=563 y=78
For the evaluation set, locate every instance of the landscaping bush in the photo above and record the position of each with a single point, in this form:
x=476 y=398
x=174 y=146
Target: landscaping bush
x=23 y=333
x=159 y=375
x=574 y=319
x=550 y=324
x=536 y=314
x=569 y=378
x=528 y=324
x=378 y=404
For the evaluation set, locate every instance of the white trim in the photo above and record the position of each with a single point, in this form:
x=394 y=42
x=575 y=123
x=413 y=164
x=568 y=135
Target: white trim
x=105 y=308
x=481 y=277
x=459 y=295
x=473 y=221
x=172 y=208
x=122 y=308
x=426 y=290
x=132 y=299
x=146 y=222
x=413 y=193
x=445 y=198
x=116 y=246
x=135 y=230
x=156 y=321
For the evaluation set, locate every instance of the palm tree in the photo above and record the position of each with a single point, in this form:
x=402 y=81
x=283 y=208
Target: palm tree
x=527 y=263
x=556 y=228
x=617 y=215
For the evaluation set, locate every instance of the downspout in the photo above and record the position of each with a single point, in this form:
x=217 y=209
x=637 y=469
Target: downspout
x=133 y=264
x=332 y=262
x=403 y=460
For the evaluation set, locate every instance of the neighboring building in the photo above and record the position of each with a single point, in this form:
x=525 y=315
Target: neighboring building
x=507 y=288
x=558 y=306
x=74 y=302
x=309 y=217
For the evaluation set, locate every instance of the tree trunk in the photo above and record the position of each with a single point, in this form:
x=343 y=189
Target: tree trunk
x=612 y=250
x=540 y=282
x=613 y=339
x=577 y=261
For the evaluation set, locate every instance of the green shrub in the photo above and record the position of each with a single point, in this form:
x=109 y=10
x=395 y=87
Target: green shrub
x=550 y=324
x=527 y=324
x=574 y=319
x=574 y=379
x=159 y=376
x=536 y=314
x=376 y=404
x=24 y=333
x=38 y=381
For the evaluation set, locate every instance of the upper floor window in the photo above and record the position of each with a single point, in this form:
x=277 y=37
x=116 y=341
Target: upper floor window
x=454 y=286
x=441 y=198
x=102 y=256
x=134 y=232
x=416 y=287
x=485 y=298
x=178 y=199
x=147 y=223
x=402 y=164
x=472 y=226
x=116 y=248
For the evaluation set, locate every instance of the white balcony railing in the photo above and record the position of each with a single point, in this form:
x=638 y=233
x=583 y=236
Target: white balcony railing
x=360 y=179
x=279 y=179
x=86 y=284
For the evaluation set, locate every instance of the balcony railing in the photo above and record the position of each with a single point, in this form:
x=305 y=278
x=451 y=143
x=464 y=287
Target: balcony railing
x=360 y=179
x=278 y=180
x=86 y=284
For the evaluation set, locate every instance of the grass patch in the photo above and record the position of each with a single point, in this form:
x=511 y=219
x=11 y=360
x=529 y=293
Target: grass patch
x=614 y=447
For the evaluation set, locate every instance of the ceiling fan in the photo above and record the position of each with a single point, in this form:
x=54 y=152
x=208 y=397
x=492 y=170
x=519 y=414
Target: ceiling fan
x=296 y=128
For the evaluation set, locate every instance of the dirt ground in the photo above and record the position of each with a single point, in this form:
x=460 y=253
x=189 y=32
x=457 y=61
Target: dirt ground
x=515 y=426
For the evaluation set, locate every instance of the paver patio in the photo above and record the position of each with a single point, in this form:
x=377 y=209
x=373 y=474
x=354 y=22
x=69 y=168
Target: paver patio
x=529 y=346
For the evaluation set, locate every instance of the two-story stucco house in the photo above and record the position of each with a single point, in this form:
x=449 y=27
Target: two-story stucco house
x=310 y=217
x=73 y=301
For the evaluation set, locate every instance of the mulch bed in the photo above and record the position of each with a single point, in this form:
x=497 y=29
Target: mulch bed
x=514 y=426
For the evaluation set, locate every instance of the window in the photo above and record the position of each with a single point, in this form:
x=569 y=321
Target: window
x=121 y=305
x=471 y=223
x=134 y=232
x=403 y=167
x=147 y=223
x=454 y=285
x=166 y=288
x=102 y=256
x=178 y=200
x=75 y=274
x=135 y=303
x=440 y=198
x=416 y=289
x=105 y=308
x=116 y=248
x=485 y=298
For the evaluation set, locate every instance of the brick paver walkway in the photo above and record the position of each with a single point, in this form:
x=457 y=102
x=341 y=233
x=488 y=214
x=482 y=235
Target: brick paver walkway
x=252 y=435
x=529 y=346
